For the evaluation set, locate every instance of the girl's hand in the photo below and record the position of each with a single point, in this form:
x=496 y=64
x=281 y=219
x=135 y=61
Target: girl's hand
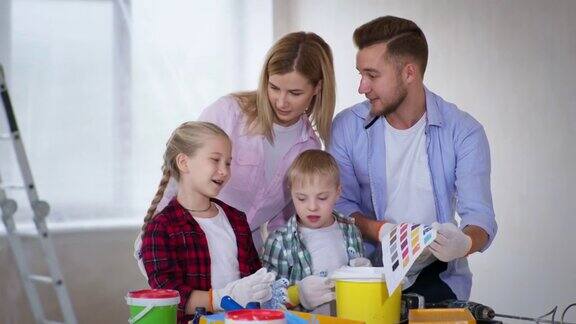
x=256 y=287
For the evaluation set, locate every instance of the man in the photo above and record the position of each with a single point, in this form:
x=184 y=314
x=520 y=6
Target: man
x=406 y=155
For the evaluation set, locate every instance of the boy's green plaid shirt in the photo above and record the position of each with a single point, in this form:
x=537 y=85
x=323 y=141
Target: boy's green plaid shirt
x=285 y=254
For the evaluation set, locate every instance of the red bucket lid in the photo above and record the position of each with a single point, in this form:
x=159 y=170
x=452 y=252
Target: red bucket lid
x=255 y=314
x=154 y=293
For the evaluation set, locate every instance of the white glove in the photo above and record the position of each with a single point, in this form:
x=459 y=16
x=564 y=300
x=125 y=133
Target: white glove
x=450 y=243
x=314 y=291
x=256 y=287
x=360 y=262
x=385 y=230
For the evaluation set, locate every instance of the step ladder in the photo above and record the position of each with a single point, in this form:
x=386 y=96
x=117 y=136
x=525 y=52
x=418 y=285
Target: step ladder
x=40 y=209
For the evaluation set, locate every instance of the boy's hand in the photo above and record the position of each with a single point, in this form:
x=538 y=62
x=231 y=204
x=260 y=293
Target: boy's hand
x=256 y=287
x=360 y=262
x=314 y=291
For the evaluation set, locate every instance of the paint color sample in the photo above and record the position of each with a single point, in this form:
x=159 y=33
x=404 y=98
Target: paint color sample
x=399 y=254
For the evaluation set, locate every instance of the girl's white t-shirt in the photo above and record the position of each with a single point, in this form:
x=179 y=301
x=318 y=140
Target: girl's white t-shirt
x=223 y=249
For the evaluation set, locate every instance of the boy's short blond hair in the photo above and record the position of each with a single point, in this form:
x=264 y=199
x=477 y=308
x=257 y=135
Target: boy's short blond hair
x=311 y=164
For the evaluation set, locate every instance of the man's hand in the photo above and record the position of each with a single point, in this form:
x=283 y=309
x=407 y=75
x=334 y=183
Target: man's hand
x=450 y=243
x=368 y=227
x=385 y=230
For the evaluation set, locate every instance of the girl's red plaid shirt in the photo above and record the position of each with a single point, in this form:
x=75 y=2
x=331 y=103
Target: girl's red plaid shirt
x=176 y=256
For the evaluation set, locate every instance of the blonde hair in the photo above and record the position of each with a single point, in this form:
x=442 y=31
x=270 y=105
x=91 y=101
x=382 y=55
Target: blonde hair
x=311 y=164
x=308 y=54
x=186 y=139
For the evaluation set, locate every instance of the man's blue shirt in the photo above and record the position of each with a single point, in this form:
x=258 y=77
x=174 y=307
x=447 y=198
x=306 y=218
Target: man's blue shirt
x=459 y=162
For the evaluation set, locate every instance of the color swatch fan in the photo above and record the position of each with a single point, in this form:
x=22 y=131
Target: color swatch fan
x=404 y=244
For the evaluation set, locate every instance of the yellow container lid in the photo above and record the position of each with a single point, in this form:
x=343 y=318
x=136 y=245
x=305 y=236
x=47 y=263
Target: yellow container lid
x=441 y=315
x=359 y=274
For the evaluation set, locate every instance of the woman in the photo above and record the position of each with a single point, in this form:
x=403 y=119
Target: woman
x=270 y=126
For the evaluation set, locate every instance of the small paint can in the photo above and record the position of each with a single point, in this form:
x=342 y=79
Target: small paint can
x=153 y=306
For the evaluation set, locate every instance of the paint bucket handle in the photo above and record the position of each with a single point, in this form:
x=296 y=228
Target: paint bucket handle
x=138 y=316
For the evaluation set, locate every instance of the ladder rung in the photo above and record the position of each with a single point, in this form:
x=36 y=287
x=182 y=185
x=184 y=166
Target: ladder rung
x=12 y=187
x=30 y=233
x=52 y=322
x=42 y=279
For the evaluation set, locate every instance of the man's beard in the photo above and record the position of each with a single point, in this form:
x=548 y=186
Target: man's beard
x=401 y=94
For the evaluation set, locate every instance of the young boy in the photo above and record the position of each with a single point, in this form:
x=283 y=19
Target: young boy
x=317 y=240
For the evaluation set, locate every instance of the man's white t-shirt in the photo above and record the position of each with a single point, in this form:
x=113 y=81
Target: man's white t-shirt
x=222 y=247
x=408 y=181
x=409 y=197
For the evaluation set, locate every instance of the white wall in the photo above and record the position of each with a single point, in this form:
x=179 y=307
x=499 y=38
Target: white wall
x=512 y=65
x=5 y=55
x=98 y=99
x=186 y=55
x=5 y=19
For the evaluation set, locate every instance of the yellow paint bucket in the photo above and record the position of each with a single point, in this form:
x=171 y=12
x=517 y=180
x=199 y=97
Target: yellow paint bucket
x=361 y=294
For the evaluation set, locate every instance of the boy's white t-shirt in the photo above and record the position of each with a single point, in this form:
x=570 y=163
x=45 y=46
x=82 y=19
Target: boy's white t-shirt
x=327 y=249
x=223 y=249
x=284 y=139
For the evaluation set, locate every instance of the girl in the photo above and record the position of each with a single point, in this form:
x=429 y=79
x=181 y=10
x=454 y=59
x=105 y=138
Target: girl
x=269 y=127
x=197 y=244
